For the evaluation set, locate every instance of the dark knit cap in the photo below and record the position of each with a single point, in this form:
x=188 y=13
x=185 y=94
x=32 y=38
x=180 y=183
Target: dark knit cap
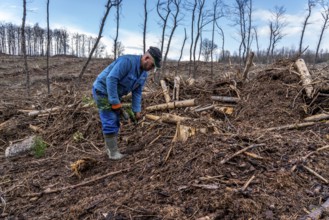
x=156 y=54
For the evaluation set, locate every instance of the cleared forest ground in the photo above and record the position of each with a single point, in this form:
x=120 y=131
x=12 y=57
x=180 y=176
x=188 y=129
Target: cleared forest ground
x=204 y=177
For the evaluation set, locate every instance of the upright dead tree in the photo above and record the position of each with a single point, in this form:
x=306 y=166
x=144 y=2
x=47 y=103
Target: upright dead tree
x=117 y=18
x=145 y=26
x=325 y=25
x=217 y=13
x=192 y=7
x=175 y=20
x=221 y=33
x=108 y=6
x=242 y=10
x=48 y=47
x=310 y=4
x=182 y=49
x=163 y=10
x=202 y=21
x=26 y=69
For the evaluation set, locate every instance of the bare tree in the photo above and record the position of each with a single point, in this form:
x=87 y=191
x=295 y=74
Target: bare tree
x=182 y=49
x=108 y=7
x=310 y=4
x=26 y=69
x=242 y=13
x=48 y=48
x=276 y=25
x=217 y=13
x=145 y=26
x=163 y=10
x=175 y=20
x=117 y=30
x=257 y=42
x=325 y=25
x=221 y=33
x=193 y=9
x=202 y=21
x=119 y=48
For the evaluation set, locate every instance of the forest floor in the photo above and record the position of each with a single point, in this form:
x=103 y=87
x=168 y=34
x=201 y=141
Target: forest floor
x=203 y=177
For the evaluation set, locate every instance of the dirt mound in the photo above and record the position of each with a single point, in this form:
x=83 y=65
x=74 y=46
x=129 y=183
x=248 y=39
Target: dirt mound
x=237 y=165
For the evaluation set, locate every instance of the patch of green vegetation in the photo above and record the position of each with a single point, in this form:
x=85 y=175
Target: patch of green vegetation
x=78 y=136
x=39 y=147
x=86 y=100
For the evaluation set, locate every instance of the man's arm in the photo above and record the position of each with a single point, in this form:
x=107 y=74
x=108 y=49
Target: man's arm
x=120 y=69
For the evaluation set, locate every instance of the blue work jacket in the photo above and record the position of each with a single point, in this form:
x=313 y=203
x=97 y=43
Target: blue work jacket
x=122 y=76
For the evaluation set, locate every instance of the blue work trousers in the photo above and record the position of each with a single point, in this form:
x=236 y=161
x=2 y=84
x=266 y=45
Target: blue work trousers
x=110 y=119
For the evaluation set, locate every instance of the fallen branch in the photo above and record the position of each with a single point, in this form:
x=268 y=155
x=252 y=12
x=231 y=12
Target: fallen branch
x=316 y=174
x=317 y=117
x=49 y=191
x=245 y=186
x=225 y=99
x=291 y=126
x=172 y=105
x=240 y=152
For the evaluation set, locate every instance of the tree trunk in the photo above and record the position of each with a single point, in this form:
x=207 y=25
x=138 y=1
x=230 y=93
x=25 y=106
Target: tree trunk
x=108 y=7
x=26 y=69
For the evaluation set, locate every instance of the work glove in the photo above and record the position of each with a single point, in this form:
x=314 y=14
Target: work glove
x=116 y=107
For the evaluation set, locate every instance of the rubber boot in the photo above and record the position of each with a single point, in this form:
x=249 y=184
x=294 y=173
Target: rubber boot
x=112 y=147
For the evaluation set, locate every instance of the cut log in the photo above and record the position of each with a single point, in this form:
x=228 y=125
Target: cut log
x=317 y=117
x=172 y=105
x=305 y=77
x=248 y=65
x=169 y=118
x=20 y=147
x=165 y=91
x=225 y=99
x=176 y=88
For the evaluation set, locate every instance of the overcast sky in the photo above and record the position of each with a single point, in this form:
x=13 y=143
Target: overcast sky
x=84 y=16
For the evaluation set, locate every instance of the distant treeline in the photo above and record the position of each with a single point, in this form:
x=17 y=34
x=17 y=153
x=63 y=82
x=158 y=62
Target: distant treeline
x=64 y=43
x=61 y=41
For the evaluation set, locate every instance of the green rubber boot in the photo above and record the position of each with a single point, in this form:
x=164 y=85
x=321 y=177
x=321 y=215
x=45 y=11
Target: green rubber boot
x=112 y=147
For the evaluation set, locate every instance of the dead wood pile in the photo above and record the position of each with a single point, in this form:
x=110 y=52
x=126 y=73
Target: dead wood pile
x=248 y=153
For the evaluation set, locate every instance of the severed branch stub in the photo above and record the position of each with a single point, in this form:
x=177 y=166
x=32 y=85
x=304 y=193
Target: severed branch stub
x=176 y=88
x=225 y=99
x=165 y=91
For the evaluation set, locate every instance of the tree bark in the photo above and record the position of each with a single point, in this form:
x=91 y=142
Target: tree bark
x=165 y=91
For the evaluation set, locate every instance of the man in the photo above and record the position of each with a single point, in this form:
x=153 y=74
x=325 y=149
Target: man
x=126 y=74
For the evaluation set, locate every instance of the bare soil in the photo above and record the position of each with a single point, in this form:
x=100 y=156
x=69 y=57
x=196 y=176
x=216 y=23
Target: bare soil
x=159 y=178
